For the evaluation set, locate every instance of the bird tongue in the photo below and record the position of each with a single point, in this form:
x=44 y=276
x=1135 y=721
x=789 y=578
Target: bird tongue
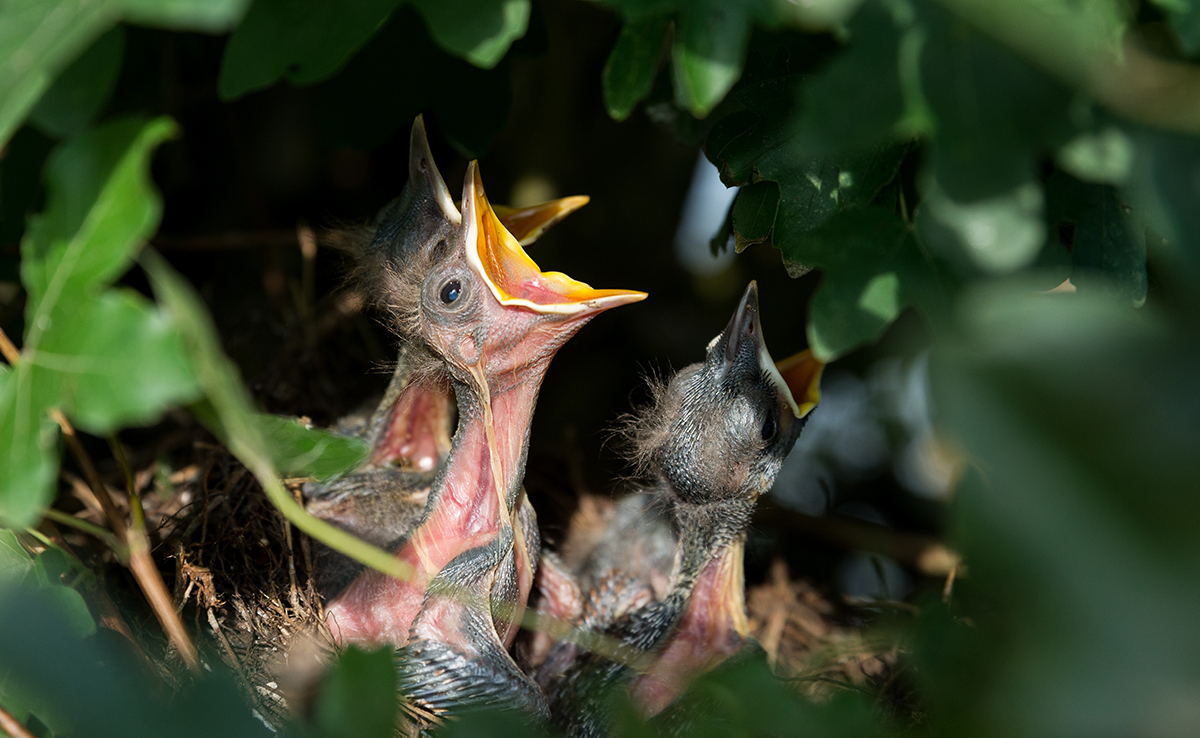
x=515 y=279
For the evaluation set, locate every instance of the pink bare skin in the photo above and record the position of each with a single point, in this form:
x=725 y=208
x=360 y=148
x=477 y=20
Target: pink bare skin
x=496 y=341
x=713 y=628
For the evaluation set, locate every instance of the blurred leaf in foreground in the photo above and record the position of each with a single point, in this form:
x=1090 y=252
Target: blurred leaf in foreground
x=80 y=92
x=1083 y=416
x=358 y=698
x=39 y=38
x=104 y=357
x=92 y=688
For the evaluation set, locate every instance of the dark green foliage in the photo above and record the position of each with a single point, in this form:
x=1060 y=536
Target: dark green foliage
x=358 y=697
x=402 y=73
x=633 y=64
x=908 y=152
x=80 y=92
x=303 y=42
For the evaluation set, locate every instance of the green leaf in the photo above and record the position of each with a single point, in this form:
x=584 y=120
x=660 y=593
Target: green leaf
x=479 y=31
x=79 y=93
x=93 y=687
x=995 y=114
x=633 y=64
x=810 y=193
x=1165 y=191
x=856 y=101
x=101 y=206
x=873 y=269
x=754 y=214
x=1184 y=16
x=111 y=361
x=104 y=358
x=359 y=696
x=303 y=41
x=301 y=450
x=15 y=561
x=40 y=38
x=1080 y=412
x=708 y=53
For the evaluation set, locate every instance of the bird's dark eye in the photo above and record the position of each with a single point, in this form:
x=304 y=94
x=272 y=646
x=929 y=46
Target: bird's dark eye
x=768 y=429
x=451 y=291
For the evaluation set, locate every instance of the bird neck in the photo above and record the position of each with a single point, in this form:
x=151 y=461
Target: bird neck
x=486 y=464
x=702 y=620
x=706 y=533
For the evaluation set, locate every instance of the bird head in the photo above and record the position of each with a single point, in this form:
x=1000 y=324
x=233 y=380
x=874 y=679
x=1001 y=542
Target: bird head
x=721 y=428
x=485 y=306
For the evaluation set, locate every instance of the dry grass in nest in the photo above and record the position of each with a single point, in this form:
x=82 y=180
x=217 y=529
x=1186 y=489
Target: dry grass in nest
x=246 y=577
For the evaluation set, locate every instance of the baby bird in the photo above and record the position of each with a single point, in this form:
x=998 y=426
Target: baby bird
x=713 y=441
x=489 y=321
x=408 y=433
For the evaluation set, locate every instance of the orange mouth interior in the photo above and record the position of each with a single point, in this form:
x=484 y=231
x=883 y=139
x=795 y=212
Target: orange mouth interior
x=515 y=279
x=802 y=374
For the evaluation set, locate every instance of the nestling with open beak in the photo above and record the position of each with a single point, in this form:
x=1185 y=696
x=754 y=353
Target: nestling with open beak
x=713 y=442
x=409 y=431
x=492 y=321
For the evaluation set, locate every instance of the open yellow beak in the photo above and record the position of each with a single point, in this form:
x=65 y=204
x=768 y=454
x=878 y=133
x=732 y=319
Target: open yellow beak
x=528 y=224
x=513 y=277
x=802 y=374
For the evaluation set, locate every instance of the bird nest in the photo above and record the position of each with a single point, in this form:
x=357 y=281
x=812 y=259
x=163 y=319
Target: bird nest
x=243 y=579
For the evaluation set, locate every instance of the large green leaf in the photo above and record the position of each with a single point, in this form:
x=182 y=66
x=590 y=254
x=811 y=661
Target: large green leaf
x=1080 y=413
x=633 y=64
x=79 y=93
x=104 y=358
x=708 y=53
x=303 y=41
x=995 y=114
x=479 y=31
x=40 y=38
x=873 y=268
x=93 y=688
x=857 y=101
